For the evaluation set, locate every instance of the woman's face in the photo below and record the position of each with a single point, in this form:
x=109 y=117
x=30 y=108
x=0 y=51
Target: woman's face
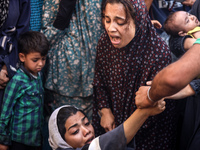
x=120 y=31
x=79 y=131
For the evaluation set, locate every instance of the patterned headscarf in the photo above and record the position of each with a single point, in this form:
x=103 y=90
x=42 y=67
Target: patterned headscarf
x=3 y=11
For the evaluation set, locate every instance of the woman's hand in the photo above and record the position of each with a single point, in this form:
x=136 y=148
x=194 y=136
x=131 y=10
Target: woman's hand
x=107 y=119
x=158 y=108
x=3 y=77
x=141 y=98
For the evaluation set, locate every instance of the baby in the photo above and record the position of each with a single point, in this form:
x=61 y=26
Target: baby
x=181 y=23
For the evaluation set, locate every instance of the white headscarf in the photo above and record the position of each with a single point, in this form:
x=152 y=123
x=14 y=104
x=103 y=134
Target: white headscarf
x=55 y=139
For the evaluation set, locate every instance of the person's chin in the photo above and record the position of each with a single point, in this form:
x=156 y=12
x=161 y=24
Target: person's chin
x=90 y=140
x=38 y=70
x=117 y=45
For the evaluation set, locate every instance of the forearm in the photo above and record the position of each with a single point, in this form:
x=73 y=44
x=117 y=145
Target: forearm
x=188 y=43
x=133 y=123
x=148 y=3
x=177 y=75
x=185 y=92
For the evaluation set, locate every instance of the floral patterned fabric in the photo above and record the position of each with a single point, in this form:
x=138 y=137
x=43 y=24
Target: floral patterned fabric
x=73 y=51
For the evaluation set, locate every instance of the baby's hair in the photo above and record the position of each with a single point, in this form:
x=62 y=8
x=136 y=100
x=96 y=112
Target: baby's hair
x=62 y=116
x=33 y=41
x=169 y=27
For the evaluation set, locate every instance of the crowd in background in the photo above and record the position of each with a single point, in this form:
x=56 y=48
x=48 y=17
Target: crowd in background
x=100 y=52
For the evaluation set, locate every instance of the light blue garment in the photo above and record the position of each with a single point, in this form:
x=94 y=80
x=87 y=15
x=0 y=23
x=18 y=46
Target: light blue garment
x=73 y=50
x=36 y=15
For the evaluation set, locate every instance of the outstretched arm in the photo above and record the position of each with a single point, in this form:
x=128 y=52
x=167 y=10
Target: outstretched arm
x=119 y=137
x=171 y=79
x=185 y=92
x=136 y=120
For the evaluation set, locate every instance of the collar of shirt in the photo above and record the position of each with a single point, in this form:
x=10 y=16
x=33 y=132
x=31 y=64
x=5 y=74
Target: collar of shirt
x=30 y=75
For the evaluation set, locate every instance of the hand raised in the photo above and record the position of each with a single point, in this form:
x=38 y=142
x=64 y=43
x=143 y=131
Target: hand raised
x=141 y=99
x=107 y=119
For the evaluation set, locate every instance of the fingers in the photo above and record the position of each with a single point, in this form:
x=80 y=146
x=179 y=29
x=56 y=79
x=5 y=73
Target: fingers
x=109 y=128
x=3 y=78
x=149 y=82
x=161 y=104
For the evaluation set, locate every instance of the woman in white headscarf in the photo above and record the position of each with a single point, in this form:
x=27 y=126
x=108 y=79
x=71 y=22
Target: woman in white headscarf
x=70 y=129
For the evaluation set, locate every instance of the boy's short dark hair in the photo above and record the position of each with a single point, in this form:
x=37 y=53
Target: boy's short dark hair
x=33 y=41
x=168 y=27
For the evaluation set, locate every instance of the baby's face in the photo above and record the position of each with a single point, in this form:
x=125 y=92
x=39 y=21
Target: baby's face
x=185 y=21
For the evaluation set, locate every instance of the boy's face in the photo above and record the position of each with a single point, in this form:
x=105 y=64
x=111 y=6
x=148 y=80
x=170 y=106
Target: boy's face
x=185 y=21
x=33 y=62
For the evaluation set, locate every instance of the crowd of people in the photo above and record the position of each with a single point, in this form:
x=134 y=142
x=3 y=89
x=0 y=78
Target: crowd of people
x=99 y=74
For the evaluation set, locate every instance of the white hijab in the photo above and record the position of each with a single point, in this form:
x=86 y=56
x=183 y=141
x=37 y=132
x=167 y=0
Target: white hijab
x=55 y=139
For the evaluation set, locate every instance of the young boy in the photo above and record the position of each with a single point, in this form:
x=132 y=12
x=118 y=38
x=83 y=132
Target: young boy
x=22 y=113
x=182 y=23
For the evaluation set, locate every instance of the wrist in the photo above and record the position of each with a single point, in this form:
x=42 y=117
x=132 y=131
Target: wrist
x=197 y=41
x=105 y=111
x=148 y=96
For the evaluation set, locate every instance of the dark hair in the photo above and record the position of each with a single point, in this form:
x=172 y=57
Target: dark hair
x=128 y=7
x=168 y=27
x=62 y=116
x=33 y=41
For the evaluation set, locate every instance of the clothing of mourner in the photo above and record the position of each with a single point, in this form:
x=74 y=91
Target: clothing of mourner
x=16 y=23
x=104 y=142
x=120 y=72
x=25 y=98
x=72 y=55
x=190 y=131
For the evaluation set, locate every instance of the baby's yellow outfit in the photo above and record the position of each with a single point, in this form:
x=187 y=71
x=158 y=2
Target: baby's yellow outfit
x=193 y=31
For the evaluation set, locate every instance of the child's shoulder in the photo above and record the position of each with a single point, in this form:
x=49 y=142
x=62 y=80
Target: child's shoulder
x=19 y=75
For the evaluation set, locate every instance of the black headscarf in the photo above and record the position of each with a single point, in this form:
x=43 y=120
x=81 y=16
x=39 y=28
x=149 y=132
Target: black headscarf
x=3 y=11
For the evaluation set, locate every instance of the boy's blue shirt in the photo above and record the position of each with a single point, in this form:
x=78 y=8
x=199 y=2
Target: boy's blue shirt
x=21 y=118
